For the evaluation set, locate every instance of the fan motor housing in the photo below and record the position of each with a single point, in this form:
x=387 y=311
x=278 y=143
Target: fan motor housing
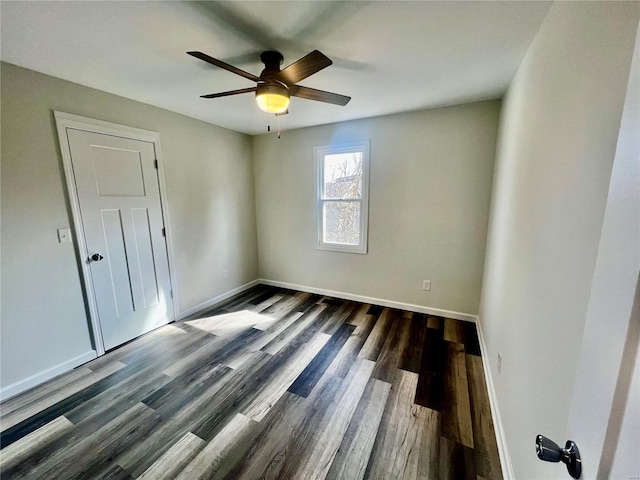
x=272 y=61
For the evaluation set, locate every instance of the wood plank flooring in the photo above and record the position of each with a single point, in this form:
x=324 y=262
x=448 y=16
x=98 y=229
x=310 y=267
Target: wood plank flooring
x=270 y=384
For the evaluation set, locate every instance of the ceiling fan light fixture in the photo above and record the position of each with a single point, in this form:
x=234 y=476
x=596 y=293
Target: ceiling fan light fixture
x=272 y=98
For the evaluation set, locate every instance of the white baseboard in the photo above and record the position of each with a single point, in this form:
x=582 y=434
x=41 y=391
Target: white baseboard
x=212 y=301
x=503 y=448
x=41 y=377
x=377 y=301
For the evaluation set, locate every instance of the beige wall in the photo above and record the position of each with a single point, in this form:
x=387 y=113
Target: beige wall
x=430 y=186
x=556 y=147
x=209 y=179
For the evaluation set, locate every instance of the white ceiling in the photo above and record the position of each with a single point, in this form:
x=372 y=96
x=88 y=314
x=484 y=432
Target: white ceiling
x=389 y=56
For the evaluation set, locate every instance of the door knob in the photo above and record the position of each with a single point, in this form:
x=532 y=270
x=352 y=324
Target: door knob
x=96 y=257
x=550 y=451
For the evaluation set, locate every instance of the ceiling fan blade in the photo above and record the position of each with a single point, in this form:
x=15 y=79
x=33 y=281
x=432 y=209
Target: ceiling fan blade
x=231 y=92
x=319 y=95
x=306 y=66
x=226 y=66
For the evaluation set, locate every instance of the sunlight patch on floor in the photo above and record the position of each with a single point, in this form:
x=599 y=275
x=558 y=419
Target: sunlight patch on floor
x=231 y=323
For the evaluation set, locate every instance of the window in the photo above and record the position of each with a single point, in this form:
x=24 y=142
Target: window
x=342 y=198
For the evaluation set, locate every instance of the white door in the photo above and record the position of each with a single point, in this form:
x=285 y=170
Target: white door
x=116 y=183
x=604 y=394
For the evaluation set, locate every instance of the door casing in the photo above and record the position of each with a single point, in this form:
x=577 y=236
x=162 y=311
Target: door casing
x=65 y=121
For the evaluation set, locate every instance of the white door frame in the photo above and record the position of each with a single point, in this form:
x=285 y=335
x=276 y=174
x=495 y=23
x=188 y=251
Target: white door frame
x=66 y=121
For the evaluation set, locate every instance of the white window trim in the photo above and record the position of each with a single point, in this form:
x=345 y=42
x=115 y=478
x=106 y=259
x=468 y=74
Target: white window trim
x=319 y=154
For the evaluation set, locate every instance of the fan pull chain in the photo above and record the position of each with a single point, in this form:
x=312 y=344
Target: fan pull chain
x=269 y=126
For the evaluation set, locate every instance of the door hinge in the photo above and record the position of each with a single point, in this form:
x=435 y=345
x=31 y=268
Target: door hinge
x=164 y=232
x=155 y=163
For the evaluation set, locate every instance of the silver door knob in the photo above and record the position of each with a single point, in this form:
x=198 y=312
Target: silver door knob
x=96 y=257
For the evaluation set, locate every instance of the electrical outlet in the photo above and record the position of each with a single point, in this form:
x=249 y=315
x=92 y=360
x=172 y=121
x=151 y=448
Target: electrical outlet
x=64 y=235
x=225 y=274
x=499 y=362
x=426 y=285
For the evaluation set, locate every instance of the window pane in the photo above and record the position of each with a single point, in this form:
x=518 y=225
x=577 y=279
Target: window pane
x=341 y=222
x=343 y=175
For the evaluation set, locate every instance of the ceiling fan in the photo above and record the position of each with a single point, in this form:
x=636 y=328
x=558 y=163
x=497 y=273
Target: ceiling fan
x=275 y=86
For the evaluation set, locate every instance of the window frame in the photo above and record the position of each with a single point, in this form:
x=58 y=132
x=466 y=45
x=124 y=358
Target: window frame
x=319 y=156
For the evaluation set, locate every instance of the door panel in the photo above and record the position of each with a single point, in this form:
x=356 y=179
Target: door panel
x=117 y=188
x=116 y=259
x=118 y=172
x=144 y=252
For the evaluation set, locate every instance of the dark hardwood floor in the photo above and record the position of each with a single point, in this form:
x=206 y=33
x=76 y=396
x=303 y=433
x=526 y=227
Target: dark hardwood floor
x=270 y=384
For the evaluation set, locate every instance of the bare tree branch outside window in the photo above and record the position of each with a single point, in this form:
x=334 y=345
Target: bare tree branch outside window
x=342 y=182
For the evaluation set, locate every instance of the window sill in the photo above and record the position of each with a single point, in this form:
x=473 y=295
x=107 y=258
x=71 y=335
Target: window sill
x=333 y=247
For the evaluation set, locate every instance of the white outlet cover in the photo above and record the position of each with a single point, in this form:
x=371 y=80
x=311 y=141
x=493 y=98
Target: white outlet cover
x=64 y=235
